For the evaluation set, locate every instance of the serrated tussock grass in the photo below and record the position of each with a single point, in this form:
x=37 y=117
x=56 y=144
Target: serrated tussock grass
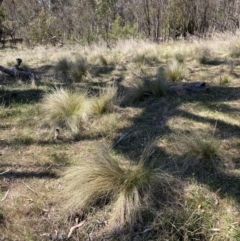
x=126 y=188
x=72 y=71
x=79 y=69
x=62 y=69
x=106 y=101
x=202 y=151
x=139 y=89
x=174 y=71
x=64 y=107
x=196 y=218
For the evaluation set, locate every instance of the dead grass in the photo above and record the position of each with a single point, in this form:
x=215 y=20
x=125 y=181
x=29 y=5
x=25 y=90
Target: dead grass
x=129 y=189
x=106 y=101
x=64 y=108
x=204 y=159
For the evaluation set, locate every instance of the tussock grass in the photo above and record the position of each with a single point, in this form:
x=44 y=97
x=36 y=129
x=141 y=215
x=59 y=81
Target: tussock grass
x=72 y=71
x=63 y=68
x=139 y=89
x=224 y=80
x=79 y=69
x=106 y=100
x=203 y=54
x=202 y=151
x=174 y=71
x=64 y=107
x=128 y=189
x=197 y=218
x=234 y=49
x=135 y=91
x=180 y=57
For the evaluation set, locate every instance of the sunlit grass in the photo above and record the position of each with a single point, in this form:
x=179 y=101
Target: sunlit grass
x=64 y=107
x=106 y=100
x=174 y=71
x=126 y=187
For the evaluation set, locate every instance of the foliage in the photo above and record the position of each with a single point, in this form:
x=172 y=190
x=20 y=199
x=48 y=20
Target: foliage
x=121 y=30
x=63 y=68
x=140 y=89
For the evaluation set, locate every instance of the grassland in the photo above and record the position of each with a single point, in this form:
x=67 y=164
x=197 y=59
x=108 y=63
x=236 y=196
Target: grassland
x=133 y=161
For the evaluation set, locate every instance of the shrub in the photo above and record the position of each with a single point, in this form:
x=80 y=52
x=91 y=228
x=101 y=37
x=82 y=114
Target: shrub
x=121 y=30
x=64 y=107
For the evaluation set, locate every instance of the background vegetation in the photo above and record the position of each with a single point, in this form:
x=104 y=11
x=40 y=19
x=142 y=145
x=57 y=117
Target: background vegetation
x=59 y=21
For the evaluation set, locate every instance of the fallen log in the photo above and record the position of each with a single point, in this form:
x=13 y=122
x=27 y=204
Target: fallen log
x=18 y=72
x=191 y=87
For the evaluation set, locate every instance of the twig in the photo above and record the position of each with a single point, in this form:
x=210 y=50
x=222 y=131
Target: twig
x=5 y=196
x=30 y=188
x=73 y=228
x=6 y=171
x=121 y=138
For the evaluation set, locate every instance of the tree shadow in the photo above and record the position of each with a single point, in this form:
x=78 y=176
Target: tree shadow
x=20 y=96
x=152 y=123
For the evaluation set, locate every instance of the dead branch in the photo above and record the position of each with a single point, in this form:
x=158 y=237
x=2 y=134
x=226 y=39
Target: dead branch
x=30 y=188
x=73 y=228
x=5 y=196
x=17 y=72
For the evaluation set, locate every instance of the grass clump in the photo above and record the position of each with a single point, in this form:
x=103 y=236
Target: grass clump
x=196 y=219
x=136 y=91
x=224 y=80
x=234 y=50
x=203 y=151
x=63 y=68
x=174 y=71
x=64 y=107
x=127 y=189
x=79 y=69
x=106 y=100
x=139 y=89
x=72 y=71
x=180 y=57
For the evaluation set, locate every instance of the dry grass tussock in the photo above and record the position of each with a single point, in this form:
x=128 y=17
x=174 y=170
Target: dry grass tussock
x=128 y=189
x=203 y=151
x=64 y=107
x=174 y=71
x=107 y=183
x=106 y=101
